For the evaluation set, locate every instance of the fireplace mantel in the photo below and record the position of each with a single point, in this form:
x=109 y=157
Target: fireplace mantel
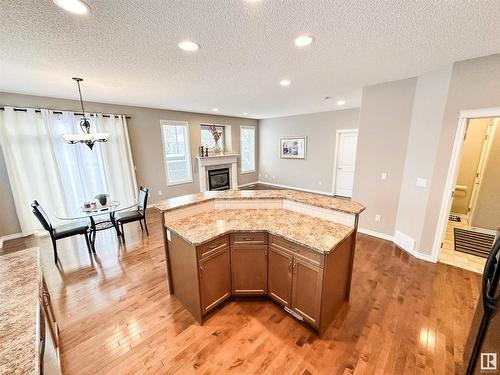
x=217 y=161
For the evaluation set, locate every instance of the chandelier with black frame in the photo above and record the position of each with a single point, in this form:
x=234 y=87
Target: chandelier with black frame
x=86 y=137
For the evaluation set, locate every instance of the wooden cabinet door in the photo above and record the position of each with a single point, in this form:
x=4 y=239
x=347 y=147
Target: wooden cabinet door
x=280 y=276
x=306 y=291
x=215 y=279
x=249 y=269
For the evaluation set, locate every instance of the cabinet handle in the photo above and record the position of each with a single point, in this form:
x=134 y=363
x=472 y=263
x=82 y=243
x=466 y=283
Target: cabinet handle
x=290 y=264
x=201 y=269
x=46 y=298
x=294 y=264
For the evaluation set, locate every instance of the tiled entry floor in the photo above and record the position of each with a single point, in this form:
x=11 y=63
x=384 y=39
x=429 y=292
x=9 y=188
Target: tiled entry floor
x=455 y=258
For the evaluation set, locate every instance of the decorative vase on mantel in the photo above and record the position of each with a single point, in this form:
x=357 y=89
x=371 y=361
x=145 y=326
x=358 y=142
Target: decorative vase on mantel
x=216 y=135
x=217 y=149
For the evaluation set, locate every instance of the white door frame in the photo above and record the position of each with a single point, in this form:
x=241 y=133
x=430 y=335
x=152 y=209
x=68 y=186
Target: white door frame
x=335 y=159
x=483 y=162
x=452 y=175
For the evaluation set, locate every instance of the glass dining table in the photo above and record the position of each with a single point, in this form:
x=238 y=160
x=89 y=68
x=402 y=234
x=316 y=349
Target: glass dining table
x=100 y=217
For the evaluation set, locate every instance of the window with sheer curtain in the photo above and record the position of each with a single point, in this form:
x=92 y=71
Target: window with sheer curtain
x=60 y=176
x=247 y=149
x=176 y=151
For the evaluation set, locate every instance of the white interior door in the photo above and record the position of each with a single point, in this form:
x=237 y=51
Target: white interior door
x=347 y=141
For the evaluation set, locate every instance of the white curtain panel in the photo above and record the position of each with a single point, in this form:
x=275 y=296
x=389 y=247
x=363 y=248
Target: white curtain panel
x=117 y=160
x=42 y=166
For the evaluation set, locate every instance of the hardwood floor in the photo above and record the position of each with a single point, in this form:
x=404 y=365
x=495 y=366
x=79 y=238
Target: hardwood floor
x=258 y=186
x=405 y=316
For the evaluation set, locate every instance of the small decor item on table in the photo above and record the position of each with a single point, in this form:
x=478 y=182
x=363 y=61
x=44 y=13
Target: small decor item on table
x=102 y=198
x=293 y=148
x=216 y=135
x=206 y=152
x=86 y=205
x=202 y=152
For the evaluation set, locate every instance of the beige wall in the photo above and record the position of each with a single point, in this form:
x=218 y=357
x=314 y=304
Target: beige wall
x=423 y=141
x=384 y=126
x=146 y=145
x=474 y=84
x=407 y=129
x=487 y=212
x=316 y=171
x=473 y=146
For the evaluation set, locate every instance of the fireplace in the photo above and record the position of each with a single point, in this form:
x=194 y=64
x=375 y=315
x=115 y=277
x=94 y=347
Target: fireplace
x=218 y=179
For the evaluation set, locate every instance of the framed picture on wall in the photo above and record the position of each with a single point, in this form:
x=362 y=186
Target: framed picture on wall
x=293 y=147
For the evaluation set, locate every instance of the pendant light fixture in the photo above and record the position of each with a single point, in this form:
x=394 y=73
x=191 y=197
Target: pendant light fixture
x=86 y=137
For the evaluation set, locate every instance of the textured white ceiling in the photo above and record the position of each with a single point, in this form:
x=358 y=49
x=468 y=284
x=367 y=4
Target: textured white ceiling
x=127 y=50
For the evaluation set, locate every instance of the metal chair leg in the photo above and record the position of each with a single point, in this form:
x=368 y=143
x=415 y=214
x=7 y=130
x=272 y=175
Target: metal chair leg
x=123 y=233
x=146 y=225
x=54 y=247
x=87 y=241
x=140 y=222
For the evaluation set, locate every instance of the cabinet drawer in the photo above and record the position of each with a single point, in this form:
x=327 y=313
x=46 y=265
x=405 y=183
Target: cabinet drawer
x=252 y=238
x=298 y=250
x=212 y=247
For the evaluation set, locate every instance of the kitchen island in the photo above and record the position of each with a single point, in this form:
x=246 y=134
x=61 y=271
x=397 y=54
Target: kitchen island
x=295 y=248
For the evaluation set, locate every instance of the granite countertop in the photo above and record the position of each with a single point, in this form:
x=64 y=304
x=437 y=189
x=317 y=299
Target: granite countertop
x=19 y=291
x=317 y=200
x=316 y=234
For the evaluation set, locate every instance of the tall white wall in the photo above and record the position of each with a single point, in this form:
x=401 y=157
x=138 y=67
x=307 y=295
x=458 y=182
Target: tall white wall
x=384 y=126
x=423 y=143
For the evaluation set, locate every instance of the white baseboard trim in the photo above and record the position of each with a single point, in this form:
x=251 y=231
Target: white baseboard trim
x=7 y=237
x=387 y=237
x=250 y=183
x=373 y=233
x=426 y=257
x=295 y=188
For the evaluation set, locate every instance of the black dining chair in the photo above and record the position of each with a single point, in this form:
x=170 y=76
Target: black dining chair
x=62 y=231
x=124 y=217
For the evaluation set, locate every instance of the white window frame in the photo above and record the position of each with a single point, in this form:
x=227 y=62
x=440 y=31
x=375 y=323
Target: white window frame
x=226 y=137
x=254 y=149
x=164 y=123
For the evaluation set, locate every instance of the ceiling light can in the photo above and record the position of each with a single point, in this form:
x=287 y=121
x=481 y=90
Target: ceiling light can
x=303 y=40
x=188 y=45
x=73 y=6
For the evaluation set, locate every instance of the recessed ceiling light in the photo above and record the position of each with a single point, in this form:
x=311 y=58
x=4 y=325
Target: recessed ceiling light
x=73 y=6
x=303 y=40
x=188 y=45
x=341 y=102
x=215 y=109
x=285 y=82
x=245 y=113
